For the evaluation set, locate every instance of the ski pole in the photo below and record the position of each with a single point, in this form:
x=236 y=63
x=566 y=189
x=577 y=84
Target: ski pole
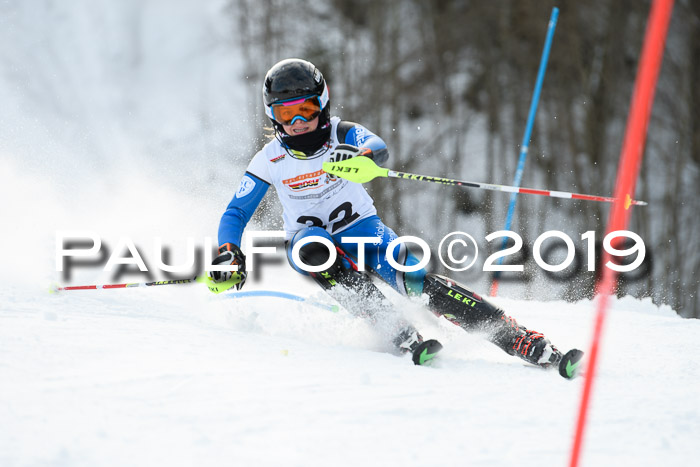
x=288 y=296
x=216 y=287
x=362 y=169
x=56 y=288
x=235 y=295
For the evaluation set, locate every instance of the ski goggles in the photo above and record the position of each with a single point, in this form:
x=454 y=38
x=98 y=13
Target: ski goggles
x=305 y=108
x=288 y=112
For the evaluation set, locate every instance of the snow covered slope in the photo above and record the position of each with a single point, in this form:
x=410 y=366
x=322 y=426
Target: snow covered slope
x=177 y=376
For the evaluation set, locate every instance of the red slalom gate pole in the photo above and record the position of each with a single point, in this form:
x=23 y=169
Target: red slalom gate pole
x=628 y=171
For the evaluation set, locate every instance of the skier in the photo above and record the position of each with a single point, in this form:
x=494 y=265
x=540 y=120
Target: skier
x=315 y=203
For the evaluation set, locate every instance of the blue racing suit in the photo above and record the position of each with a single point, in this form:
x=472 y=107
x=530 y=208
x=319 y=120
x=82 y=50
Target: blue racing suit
x=321 y=204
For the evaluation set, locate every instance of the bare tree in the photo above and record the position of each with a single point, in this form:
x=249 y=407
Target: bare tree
x=431 y=77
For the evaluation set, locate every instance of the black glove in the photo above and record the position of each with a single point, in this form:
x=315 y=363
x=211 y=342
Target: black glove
x=343 y=152
x=229 y=254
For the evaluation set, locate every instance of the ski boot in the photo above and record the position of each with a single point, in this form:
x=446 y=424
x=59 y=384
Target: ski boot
x=534 y=348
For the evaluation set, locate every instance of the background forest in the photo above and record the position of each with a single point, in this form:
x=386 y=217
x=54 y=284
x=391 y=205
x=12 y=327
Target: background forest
x=168 y=94
x=448 y=85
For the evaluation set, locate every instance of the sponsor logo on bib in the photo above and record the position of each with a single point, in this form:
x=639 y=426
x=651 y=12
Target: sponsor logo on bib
x=305 y=181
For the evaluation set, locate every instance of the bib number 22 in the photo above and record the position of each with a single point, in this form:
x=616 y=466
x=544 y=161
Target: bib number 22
x=339 y=217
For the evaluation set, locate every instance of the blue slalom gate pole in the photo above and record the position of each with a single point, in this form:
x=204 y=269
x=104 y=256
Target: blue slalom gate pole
x=526 y=138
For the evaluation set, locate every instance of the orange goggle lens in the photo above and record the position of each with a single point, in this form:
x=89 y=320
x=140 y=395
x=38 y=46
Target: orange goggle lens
x=287 y=113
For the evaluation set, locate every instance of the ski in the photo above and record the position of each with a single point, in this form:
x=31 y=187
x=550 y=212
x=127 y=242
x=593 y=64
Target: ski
x=570 y=365
x=426 y=351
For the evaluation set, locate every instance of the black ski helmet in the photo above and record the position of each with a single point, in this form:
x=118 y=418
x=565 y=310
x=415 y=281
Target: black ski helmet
x=294 y=78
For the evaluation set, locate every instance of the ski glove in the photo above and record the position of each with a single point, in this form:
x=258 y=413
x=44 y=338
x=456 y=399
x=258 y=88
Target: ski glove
x=343 y=152
x=229 y=254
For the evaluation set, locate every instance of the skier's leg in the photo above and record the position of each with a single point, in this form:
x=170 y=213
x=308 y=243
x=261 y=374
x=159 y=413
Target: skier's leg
x=341 y=276
x=471 y=312
x=344 y=282
x=448 y=298
x=406 y=283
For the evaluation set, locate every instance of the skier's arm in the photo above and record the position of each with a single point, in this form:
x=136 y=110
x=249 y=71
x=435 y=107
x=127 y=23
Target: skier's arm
x=355 y=134
x=241 y=208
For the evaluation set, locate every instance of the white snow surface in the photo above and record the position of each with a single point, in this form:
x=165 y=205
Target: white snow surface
x=176 y=376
